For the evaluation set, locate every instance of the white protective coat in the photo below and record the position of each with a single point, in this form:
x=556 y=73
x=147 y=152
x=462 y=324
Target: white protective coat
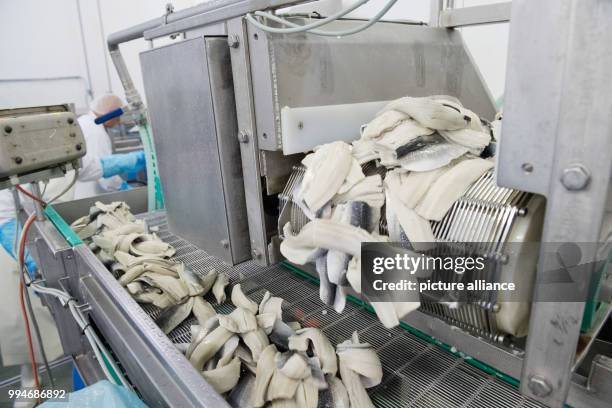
x=13 y=345
x=98 y=144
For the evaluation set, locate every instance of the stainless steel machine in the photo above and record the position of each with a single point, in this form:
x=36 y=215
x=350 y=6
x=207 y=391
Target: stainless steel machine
x=38 y=143
x=233 y=109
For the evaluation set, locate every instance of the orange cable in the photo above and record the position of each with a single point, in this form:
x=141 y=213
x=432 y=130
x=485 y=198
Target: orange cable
x=22 y=290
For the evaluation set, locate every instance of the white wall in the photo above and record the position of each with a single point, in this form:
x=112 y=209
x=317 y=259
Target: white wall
x=42 y=41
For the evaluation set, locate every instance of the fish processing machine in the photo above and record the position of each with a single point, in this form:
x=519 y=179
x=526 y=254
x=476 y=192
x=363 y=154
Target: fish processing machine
x=234 y=108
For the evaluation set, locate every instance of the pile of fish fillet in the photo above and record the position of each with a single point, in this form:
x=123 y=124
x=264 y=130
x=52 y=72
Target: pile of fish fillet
x=250 y=354
x=426 y=152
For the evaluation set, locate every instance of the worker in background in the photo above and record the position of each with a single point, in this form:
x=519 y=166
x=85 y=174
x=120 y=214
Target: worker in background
x=99 y=173
x=101 y=169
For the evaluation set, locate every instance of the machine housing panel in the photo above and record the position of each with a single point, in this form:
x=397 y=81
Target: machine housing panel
x=190 y=91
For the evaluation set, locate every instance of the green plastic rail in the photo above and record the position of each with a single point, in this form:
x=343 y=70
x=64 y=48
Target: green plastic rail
x=69 y=235
x=154 y=188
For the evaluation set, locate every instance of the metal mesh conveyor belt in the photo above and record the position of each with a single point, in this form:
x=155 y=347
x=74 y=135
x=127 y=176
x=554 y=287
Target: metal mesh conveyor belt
x=416 y=373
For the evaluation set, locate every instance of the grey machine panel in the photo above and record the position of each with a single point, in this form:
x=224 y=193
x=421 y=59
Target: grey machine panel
x=38 y=140
x=384 y=62
x=190 y=94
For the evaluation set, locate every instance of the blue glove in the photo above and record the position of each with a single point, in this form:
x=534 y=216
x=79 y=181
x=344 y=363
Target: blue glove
x=116 y=164
x=7 y=239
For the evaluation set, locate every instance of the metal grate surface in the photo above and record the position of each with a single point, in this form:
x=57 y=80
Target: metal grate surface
x=416 y=373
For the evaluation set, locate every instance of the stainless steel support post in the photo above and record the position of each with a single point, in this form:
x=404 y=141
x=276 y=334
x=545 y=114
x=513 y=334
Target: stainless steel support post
x=247 y=135
x=435 y=9
x=40 y=215
x=556 y=142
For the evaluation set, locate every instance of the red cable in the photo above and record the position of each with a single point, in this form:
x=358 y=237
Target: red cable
x=32 y=196
x=29 y=337
x=22 y=289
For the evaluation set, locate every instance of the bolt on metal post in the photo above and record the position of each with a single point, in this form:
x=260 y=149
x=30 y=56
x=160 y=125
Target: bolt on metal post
x=539 y=386
x=575 y=177
x=233 y=41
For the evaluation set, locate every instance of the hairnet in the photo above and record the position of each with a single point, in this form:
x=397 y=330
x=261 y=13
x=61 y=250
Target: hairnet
x=105 y=103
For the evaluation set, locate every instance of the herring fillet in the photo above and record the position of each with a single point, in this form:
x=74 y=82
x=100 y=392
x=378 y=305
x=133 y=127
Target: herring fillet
x=368 y=190
x=404 y=308
x=174 y=287
x=321 y=233
x=264 y=371
x=450 y=186
x=340 y=397
x=357 y=394
x=473 y=139
x=410 y=187
x=386 y=314
x=402 y=134
x=337 y=263
x=326 y=170
x=271 y=304
x=354 y=176
x=239 y=321
x=383 y=123
x=281 y=386
x=190 y=279
x=430 y=113
x=353 y=273
x=170 y=318
x=218 y=288
x=362 y=359
x=416 y=228
x=209 y=346
x=295 y=367
x=202 y=310
x=327 y=290
x=224 y=378
x=307 y=394
x=239 y=299
x=322 y=348
x=432 y=156
x=256 y=341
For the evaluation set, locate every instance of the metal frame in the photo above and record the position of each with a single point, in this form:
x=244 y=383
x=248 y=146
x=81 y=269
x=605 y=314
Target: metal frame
x=573 y=166
x=159 y=371
x=476 y=15
x=247 y=134
x=551 y=43
x=227 y=12
x=162 y=375
x=56 y=258
x=199 y=142
x=503 y=359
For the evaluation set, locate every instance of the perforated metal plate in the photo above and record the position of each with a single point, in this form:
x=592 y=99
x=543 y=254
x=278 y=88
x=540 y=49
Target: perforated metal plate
x=415 y=373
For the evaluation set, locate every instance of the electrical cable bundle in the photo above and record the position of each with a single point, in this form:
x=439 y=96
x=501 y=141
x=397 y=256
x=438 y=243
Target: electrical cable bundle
x=311 y=28
x=65 y=299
